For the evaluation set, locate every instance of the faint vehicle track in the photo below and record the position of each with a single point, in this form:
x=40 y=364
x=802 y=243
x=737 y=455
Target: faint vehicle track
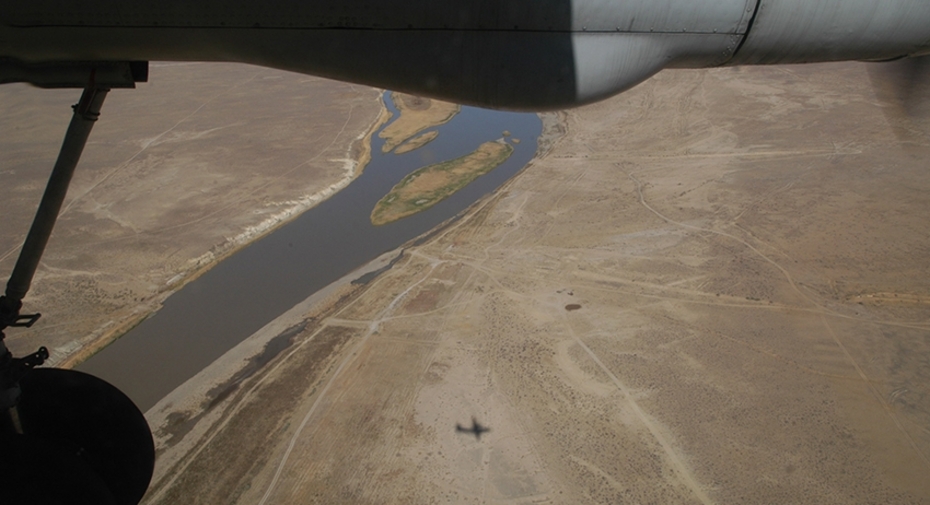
x=372 y=329
x=823 y=310
x=680 y=467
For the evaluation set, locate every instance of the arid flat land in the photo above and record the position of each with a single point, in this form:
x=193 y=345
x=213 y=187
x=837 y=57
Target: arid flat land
x=711 y=289
x=177 y=173
x=416 y=114
x=431 y=184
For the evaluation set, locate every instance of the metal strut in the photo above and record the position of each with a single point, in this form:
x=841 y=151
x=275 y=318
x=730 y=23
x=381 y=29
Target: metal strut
x=85 y=114
x=12 y=369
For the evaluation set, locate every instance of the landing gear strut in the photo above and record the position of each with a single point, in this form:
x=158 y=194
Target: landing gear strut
x=65 y=436
x=11 y=369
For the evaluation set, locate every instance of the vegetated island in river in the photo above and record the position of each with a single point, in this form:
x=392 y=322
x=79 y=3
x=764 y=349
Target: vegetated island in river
x=417 y=142
x=416 y=115
x=430 y=185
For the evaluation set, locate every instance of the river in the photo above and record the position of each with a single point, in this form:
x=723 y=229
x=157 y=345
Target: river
x=223 y=307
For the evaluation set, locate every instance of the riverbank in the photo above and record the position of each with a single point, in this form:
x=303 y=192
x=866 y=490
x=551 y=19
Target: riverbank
x=161 y=197
x=358 y=155
x=673 y=282
x=228 y=303
x=186 y=420
x=182 y=418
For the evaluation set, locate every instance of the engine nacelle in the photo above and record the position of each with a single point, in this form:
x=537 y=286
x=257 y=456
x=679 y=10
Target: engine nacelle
x=516 y=54
x=803 y=31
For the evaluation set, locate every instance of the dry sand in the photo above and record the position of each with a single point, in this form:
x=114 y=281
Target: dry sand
x=177 y=174
x=711 y=289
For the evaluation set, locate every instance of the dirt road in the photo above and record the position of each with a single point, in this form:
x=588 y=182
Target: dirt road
x=665 y=308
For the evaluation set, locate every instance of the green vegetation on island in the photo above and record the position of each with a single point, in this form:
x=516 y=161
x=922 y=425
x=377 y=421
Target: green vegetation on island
x=430 y=185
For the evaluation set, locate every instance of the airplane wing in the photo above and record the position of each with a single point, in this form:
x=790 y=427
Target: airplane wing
x=520 y=54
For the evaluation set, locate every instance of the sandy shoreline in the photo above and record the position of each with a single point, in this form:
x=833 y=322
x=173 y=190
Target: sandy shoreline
x=354 y=166
x=660 y=310
x=194 y=391
x=182 y=419
x=195 y=399
x=162 y=193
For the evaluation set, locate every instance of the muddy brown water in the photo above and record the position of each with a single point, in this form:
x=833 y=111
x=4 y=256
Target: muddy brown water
x=223 y=307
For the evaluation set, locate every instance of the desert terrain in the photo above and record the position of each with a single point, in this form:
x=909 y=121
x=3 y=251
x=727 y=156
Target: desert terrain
x=710 y=289
x=177 y=174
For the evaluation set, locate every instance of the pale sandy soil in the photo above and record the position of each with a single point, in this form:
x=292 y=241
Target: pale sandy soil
x=177 y=173
x=689 y=299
